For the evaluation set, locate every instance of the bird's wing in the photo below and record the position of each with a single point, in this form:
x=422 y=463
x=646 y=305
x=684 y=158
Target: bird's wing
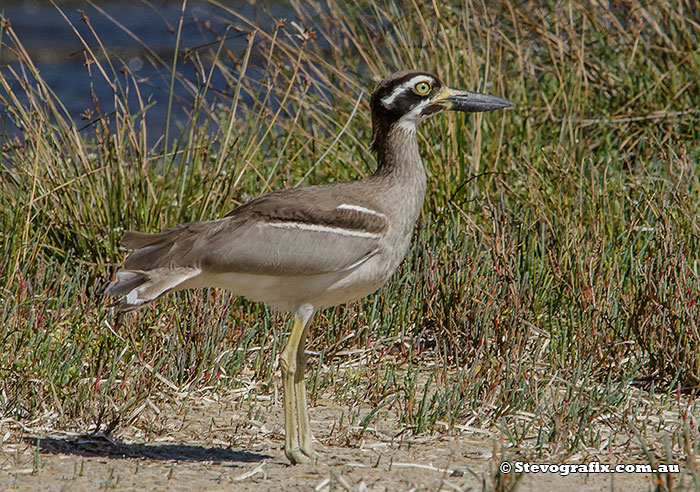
x=276 y=234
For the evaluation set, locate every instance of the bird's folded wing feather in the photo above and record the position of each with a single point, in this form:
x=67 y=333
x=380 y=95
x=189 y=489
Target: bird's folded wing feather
x=271 y=235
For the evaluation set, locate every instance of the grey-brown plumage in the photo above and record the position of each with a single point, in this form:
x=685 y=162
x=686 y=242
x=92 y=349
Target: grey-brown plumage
x=259 y=250
x=301 y=249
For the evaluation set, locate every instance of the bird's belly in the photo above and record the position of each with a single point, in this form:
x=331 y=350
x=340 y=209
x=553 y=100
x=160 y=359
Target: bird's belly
x=285 y=293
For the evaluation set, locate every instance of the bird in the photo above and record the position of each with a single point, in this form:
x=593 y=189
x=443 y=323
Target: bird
x=304 y=249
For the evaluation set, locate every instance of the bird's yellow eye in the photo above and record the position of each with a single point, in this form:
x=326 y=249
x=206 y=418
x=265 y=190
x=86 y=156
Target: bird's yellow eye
x=422 y=88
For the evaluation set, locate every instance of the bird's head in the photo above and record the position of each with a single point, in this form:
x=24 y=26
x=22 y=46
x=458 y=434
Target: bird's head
x=407 y=98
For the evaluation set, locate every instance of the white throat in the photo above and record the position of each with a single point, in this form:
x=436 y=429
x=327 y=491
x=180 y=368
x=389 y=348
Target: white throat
x=410 y=120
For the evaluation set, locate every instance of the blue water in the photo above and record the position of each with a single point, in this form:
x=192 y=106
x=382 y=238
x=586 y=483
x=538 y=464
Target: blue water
x=60 y=56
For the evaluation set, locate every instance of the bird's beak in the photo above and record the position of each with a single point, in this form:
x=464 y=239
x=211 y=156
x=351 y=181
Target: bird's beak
x=471 y=102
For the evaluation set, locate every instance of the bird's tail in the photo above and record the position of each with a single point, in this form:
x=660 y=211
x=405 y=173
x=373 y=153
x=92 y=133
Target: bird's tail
x=150 y=270
x=139 y=286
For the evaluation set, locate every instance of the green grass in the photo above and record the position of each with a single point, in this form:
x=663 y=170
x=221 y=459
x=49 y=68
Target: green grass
x=552 y=288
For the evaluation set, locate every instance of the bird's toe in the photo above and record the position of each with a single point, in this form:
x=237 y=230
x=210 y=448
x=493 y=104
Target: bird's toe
x=298 y=457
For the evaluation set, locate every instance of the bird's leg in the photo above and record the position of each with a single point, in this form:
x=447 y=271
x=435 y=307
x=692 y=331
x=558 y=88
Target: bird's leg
x=288 y=366
x=296 y=420
x=305 y=437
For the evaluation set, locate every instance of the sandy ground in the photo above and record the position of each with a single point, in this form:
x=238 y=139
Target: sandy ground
x=215 y=446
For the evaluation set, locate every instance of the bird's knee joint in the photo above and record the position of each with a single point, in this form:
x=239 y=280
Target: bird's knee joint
x=288 y=364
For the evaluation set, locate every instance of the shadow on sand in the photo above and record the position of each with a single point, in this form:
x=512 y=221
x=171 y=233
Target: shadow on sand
x=92 y=446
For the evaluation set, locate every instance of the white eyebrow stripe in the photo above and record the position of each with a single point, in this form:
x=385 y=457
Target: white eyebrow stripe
x=387 y=100
x=321 y=228
x=357 y=208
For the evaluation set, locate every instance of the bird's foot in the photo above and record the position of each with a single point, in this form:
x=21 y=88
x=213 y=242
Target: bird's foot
x=298 y=456
x=311 y=453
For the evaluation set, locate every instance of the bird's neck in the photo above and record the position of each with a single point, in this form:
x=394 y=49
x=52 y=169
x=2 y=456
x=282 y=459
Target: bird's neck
x=400 y=174
x=397 y=154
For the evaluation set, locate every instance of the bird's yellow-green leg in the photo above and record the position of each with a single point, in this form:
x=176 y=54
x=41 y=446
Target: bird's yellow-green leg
x=305 y=437
x=297 y=442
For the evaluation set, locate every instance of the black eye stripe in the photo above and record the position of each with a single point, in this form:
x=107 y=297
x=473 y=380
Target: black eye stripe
x=431 y=109
x=405 y=99
x=391 y=90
